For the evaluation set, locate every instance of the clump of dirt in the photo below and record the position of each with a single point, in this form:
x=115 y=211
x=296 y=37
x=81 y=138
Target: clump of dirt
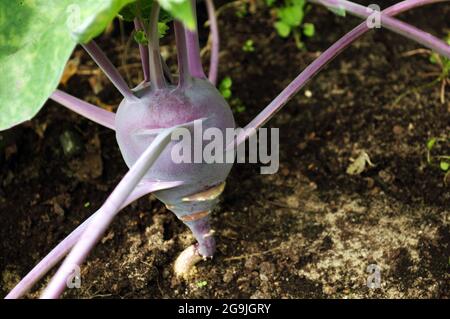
x=311 y=230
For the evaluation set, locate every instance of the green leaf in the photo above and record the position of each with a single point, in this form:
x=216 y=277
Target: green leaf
x=37 y=38
x=292 y=15
x=226 y=83
x=248 y=46
x=300 y=3
x=162 y=29
x=88 y=18
x=282 y=28
x=201 y=284
x=140 y=37
x=140 y=8
x=444 y=166
x=431 y=142
x=309 y=30
x=225 y=87
x=226 y=93
x=181 y=10
x=433 y=58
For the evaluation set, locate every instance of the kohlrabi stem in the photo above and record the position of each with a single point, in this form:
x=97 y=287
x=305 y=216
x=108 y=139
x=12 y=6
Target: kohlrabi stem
x=85 y=109
x=204 y=248
x=193 y=47
x=183 y=63
x=109 y=69
x=57 y=253
x=215 y=42
x=201 y=229
x=104 y=216
x=392 y=24
x=312 y=69
x=143 y=49
x=166 y=71
x=156 y=70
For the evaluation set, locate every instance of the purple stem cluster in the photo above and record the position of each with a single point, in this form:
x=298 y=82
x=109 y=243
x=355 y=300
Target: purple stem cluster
x=143 y=51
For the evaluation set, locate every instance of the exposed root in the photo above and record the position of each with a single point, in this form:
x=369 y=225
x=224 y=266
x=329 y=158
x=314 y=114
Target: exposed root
x=186 y=261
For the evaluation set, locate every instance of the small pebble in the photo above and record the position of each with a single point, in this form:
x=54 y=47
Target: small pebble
x=398 y=130
x=228 y=276
x=70 y=143
x=385 y=176
x=251 y=263
x=263 y=277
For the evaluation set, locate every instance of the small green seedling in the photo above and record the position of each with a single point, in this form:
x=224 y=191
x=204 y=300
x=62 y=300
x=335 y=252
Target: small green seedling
x=441 y=74
x=444 y=65
x=202 y=283
x=442 y=161
x=225 y=89
x=290 y=15
x=248 y=46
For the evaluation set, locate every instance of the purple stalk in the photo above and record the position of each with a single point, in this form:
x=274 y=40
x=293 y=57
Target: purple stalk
x=156 y=70
x=201 y=229
x=104 y=216
x=57 y=253
x=183 y=62
x=193 y=47
x=392 y=24
x=166 y=71
x=85 y=109
x=109 y=69
x=145 y=57
x=215 y=42
x=143 y=51
x=312 y=69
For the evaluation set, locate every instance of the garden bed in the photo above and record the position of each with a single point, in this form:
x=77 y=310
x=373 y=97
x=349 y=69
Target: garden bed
x=311 y=230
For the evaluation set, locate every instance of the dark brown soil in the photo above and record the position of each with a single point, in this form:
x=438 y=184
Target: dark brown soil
x=311 y=230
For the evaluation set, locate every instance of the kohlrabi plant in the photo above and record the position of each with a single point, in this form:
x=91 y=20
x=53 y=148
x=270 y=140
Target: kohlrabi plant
x=37 y=38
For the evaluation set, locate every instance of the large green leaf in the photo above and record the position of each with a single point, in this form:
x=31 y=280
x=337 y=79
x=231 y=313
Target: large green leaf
x=181 y=10
x=91 y=17
x=36 y=40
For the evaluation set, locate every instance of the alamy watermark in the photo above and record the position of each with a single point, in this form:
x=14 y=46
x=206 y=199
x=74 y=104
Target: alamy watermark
x=212 y=145
x=373 y=21
x=374 y=279
x=74 y=278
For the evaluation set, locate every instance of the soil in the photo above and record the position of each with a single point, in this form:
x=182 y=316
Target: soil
x=309 y=231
